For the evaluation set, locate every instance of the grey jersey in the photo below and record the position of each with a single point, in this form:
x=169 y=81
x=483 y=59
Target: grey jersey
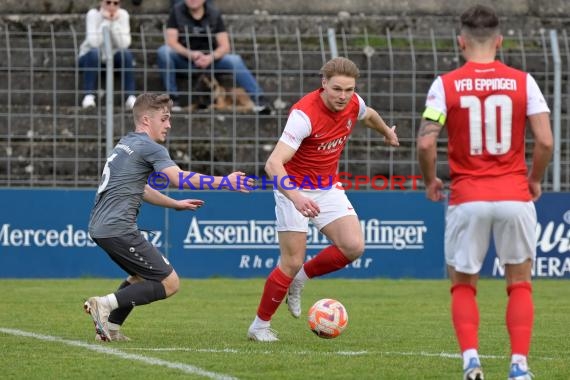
x=120 y=192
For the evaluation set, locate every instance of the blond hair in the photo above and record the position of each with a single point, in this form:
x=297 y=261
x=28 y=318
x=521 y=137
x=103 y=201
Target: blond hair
x=340 y=66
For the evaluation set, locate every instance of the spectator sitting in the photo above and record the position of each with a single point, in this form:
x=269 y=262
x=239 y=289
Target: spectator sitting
x=91 y=54
x=199 y=19
x=173 y=2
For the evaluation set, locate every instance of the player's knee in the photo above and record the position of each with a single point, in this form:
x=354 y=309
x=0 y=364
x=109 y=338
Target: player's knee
x=352 y=249
x=291 y=265
x=171 y=284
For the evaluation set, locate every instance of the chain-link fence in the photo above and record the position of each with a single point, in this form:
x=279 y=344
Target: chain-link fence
x=47 y=139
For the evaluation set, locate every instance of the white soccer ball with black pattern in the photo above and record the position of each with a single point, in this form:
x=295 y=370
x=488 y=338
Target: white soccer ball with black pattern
x=328 y=318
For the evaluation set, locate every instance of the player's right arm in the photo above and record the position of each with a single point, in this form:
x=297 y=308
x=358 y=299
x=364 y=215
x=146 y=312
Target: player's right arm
x=542 y=151
x=275 y=169
x=156 y=198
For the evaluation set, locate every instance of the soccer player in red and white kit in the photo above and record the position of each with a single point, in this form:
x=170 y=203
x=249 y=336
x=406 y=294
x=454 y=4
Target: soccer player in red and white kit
x=484 y=105
x=303 y=166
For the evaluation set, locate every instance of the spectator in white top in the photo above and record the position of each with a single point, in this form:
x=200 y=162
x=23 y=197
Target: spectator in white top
x=91 y=52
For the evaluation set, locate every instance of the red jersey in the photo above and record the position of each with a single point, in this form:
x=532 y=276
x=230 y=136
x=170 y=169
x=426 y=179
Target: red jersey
x=486 y=119
x=319 y=135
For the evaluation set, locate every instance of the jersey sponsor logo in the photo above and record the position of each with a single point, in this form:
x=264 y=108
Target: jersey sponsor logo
x=261 y=234
x=333 y=144
x=485 y=84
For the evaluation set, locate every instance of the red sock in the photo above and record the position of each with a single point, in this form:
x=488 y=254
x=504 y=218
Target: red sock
x=465 y=315
x=328 y=260
x=520 y=314
x=274 y=291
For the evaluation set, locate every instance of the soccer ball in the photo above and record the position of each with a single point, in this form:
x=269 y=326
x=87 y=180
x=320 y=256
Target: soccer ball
x=327 y=318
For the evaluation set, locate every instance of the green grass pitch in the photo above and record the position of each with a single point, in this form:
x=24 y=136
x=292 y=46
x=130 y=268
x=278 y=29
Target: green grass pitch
x=397 y=329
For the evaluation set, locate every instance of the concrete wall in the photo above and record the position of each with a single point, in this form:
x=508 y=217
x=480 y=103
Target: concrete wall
x=534 y=8
x=354 y=16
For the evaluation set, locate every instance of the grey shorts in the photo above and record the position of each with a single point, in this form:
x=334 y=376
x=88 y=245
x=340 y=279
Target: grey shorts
x=136 y=256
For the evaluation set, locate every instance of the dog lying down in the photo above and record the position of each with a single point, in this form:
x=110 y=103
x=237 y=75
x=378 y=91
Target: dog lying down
x=210 y=93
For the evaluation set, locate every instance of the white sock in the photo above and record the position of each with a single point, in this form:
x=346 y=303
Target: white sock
x=520 y=360
x=113 y=326
x=259 y=323
x=468 y=354
x=111 y=301
x=301 y=276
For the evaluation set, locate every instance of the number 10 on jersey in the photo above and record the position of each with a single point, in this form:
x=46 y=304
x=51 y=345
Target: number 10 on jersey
x=495 y=144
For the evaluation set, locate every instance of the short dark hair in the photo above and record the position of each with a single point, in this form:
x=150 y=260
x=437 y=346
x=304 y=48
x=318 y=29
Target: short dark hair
x=480 y=22
x=340 y=66
x=150 y=102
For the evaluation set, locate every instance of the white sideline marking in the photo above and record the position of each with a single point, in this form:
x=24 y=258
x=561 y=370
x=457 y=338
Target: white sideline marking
x=341 y=353
x=187 y=368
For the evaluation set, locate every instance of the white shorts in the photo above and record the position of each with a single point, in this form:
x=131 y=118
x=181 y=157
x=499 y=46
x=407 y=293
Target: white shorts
x=332 y=202
x=468 y=229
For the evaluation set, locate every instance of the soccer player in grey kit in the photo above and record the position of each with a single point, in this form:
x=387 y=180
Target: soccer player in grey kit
x=113 y=226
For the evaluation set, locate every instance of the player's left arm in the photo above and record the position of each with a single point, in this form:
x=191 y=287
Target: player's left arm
x=236 y=181
x=373 y=120
x=541 y=152
x=538 y=115
x=156 y=198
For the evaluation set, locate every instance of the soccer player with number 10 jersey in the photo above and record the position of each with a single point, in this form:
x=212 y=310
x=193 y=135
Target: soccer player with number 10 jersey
x=485 y=105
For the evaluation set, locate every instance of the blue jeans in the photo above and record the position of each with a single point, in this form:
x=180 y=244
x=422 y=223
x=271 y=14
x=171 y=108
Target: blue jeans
x=171 y=63
x=90 y=63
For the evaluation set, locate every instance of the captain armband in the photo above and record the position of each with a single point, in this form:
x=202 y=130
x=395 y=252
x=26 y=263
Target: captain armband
x=434 y=115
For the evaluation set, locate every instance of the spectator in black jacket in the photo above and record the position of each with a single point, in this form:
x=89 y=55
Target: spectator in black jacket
x=204 y=24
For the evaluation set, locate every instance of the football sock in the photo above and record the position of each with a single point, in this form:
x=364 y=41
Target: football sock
x=328 y=260
x=468 y=355
x=465 y=315
x=274 y=292
x=259 y=323
x=111 y=301
x=301 y=276
x=141 y=293
x=118 y=316
x=520 y=360
x=113 y=326
x=519 y=318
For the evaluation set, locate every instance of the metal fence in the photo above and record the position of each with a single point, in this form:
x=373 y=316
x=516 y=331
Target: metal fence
x=48 y=140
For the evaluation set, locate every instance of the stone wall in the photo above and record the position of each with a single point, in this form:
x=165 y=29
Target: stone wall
x=533 y=8
x=288 y=16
